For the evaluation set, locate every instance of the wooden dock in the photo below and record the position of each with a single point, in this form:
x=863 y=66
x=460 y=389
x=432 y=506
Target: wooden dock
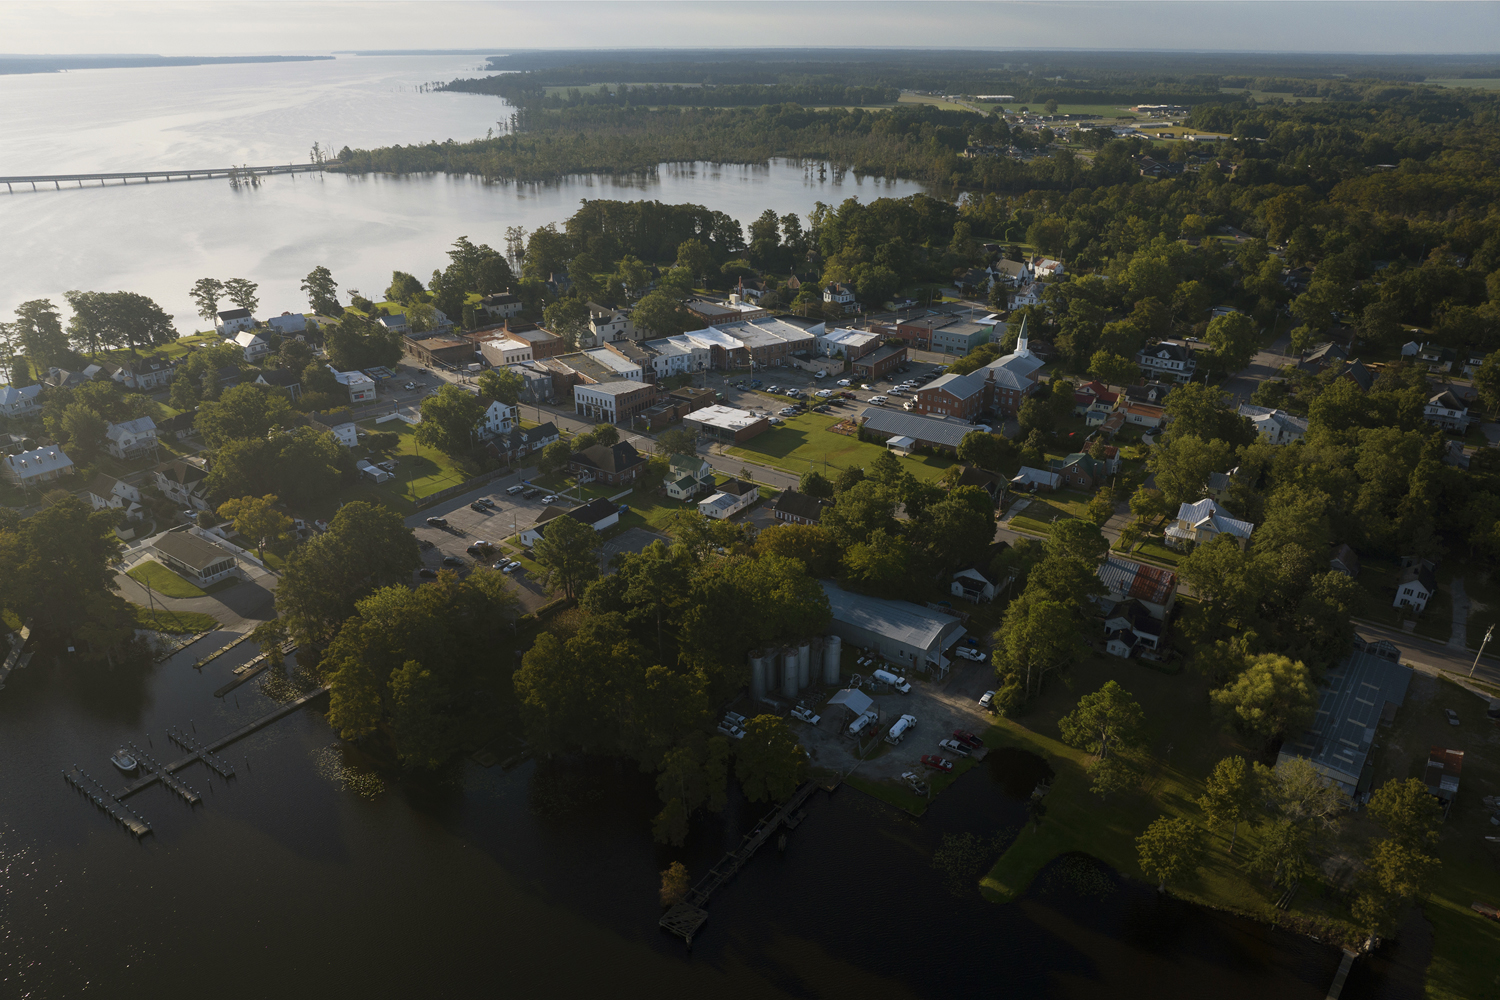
x=159 y=772
x=107 y=803
x=125 y=177
x=688 y=917
x=188 y=743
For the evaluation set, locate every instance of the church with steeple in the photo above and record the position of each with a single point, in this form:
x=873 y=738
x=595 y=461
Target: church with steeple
x=1000 y=386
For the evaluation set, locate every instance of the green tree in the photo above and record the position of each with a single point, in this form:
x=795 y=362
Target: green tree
x=697 y=258
x=1408 y=811
x=880 y=566
x=674 y=884
x=206 y=294
x=243 y=411
x=403 y=288
x=84 y=428
x=554 y=457
x=1230 y=793
x=1036 y=637
x=659 y=313
x=322 y=292
x=677 y=441
x=1281 y=853
x=1272 y=697
x=1487 y=382
x=987 y=451
x=848 y=478
x=809 y=544
x=294 y=355
x=1395 y=874
x=242 y=292
x=569 y=551
x=1113 y=369
x=769 y=761
x=1102 y=507
x=425 y=734
x=40 y=330
x=569 y=319
x=1076 y=539
x=1202 y=411
x=858 y=512
x=59 y=569
x=502 y=384
x=449 y=420
x=257 y=518
x=814 y=484
x=606 y=434
x=357 y=342
x=1105 y=723
x=1233 y=339
x=1182 y=465
x=1170 y=850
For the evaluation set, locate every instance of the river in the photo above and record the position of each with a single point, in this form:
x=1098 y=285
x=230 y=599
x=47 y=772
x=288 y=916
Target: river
x=157 y=239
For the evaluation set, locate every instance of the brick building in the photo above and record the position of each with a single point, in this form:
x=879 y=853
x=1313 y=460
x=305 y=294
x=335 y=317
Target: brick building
x=879 y=363
x=1001 y=386
x=613 y=402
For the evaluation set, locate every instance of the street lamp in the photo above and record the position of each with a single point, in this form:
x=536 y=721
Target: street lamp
x=1487 y=633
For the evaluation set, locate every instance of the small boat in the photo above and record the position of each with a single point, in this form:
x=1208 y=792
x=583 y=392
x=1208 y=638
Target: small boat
x=124 y=761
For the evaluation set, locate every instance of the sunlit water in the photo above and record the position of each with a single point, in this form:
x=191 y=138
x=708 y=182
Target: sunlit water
x=159 y=238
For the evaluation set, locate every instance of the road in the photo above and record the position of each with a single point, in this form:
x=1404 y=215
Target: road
x=1431 y=655
x=1265 y=364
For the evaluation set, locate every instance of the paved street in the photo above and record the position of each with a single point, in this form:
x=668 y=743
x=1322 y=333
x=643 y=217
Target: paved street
x=1265 y=364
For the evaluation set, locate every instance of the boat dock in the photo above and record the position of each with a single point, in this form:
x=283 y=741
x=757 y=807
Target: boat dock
x=125 y=177
x=688 y=917
x=107 y=803
x=188 y=743
x=252 y=668
x=157 y=772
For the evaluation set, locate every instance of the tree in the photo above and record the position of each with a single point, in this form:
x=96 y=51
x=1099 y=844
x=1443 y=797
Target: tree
x=1200 y=410
x=674 y=884
x=814 y=484
x=1394 y=874
x=357 y=342
x=1487 y=382
x=1229 y=794
x=987 y=451
x=448 y=420
x=39 y=328
x=769 y=761
x=1281 y=853
x=1301 y=794
x=502 y=384
x=848 y=478
x=554 y=457
x=569 y=552
x=257 y=518
x=809 y=544
x=403 y=288
x=243 y=411
x=860 y=511
x=659 y=313
x=1408 y=811
x=606 y=434
x=1272 y=697
x=59 y=569
x=1170 y=850
x=422 y=317
x=1037 y=636
x=242 y=292
x=1102 y=507
x=568 y=318
x=1233 y=339
x=880 y=566
x=1113 y=369
x=84 y=428
x=677 y=441
x=1106 y=722
x=206 y=294
x=1076 y=539
x=322 y=292
x=1182 y=465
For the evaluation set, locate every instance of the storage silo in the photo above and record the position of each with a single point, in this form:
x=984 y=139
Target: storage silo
x=789 y=673
x=831 y=649
x=804 y=666
x=758 y=677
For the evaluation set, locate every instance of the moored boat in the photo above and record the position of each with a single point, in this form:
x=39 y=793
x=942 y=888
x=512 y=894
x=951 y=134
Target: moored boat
x=124 y=761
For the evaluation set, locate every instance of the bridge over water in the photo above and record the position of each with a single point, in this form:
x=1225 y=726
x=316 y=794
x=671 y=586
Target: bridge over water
x=147 y=176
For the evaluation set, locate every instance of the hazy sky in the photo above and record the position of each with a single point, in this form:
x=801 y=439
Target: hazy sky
x=217 y=28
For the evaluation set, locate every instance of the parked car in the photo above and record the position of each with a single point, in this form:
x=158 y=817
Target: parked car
x=486 y=501
x=731 y=730
x=774 y=388
x=935 y=762
x=624 y=508
x=476 y=505
x=530 y=494
x=453 y=561
x=967 y=738
x=500 y=564
x=848 y=395
x=479 y=547
x=953 y=747
x=845 y=383
x=915 y=781
x=987 y=700
x=969 y=654
x=806 y=715
x=437 y=522
x=867 y=386
x=735 y=717
x=513 y=490
x=512 y=566
x=410 y=385
x=1452 y=716
x=550 y=498
x=427 y=573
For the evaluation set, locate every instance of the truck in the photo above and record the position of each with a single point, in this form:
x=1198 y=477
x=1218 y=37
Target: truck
x=860 y=724
x=899 y=683
x=898 y=732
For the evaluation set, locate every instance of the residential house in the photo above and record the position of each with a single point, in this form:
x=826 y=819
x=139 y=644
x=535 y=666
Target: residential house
x=1200 y=522
x=60 y=378
x=14 y=444
x=841 y=294
x=798 y=508
x=1121 y=643
x=184 y=482
x=1447 y=411
x=991 y=482
x=1472 y=362
x=1046 y=267
x=1321 y=357
x=142 y=373
x=1168 y=359
x=1437 y=359
x=232 y=321
x=1144 y=415
x=395 y=321
x=1080 y=471
x=1031 y=480
x=597 y=514
x=20 y=402
x=40 y=465
x=498 y=418
x=252 y=345
x=613 y=464
x=1152 y=393
x=1011 y=273
x=608 y=323
x=1363 y=690
x=195 y=558
x=288 y=324
x=1274 y=426
x=1416 y=585
x=516 y=444
x=502 y=305
x=1344 y=560
x=973 y=584
x=105 y=492
x=1220 y=482
x=1090 y=395
x=339 y=423
x=288 y=383
x=131 y=439
x=731 y=498
x=688 y=476
x=1133 y=617
x=1026 y=295
x=1124 y=580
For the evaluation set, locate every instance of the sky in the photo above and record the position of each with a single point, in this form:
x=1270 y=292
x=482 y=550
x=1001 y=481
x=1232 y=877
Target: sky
x=272 y=27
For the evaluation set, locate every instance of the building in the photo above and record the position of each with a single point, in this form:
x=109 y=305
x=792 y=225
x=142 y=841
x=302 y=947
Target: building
x=720 y=313
x=1169 y=359
x=918 y=332
x=1344 y=560
x=1144 y=415
x=973 y=584
x=731 y=498
x=282 y=380
x=339 y=423
x=840 y=294
x=502 y=305
x=725 y=423
x=441 y=350
x=934 y=432
x=184 y=482
x=543 y=344
x=897 y=631
x=1129 y=625
x=961 y=337
x=1000 y=386
x=131 y=439
x=607 y=463
x=1011 y=273
x=1125 y=580
x=879 y=363
x=397 y=322
x=288 y=324
x=232 y=321
x=20 y=402
x=613 y=402
x=1415 y=586
x=194 y=557
x=607 y=323
x=1200 y=522
x=618 y=364
x=503 y=351
x=1081 y=471
x=40 y=465
x=688 y=476
x=498 y=418
x=1364 y=689
x=361 y=386
x=770 y=343
x=597 y=514
x=142 y=373
x=1447 y=411
x=1274 y=426
x=1046 y=267
x=1444 y=770
x=252 y=345
x=841 y=342
x=105 y=492
x=1030 y=479
x=798 y=508
x=538 y=382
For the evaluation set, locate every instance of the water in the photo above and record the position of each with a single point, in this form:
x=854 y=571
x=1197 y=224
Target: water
x=537 y=881
x=158 y=239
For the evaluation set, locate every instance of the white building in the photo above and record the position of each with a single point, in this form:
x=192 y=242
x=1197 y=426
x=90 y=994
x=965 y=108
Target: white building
x=622 y=366
x=232 y=321
x=840 y=293
x=1448 y=412
x=184 y=482
x=1167 y=359
x=1274 y=426
x=108 y=493
x=1046 y=267
x=1415 y=586
x=252 y=345
x=608 y=324
x=498 y=418
x=41 y=465
x=1026 y=295
x=131 y=439
x=732 y=497
x=1202 y=521
x=339 y=423
x=194 y=557
x=20 y=402
x=499 y=351
x=841 y=342
x=288 y=323
x=603 y=402
x=361 y=386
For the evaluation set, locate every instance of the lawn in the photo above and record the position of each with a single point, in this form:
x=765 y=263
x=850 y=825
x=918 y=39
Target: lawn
x=1182 y=746
x=175 y=622
x=937 y=102
x=420 y=471
x=1040 y=511
x=806 y=441
x=165 y=582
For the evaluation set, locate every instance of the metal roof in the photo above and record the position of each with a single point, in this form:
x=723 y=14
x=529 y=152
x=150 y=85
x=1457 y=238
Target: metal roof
x=899 y=621
x=1355 y=694
x=928 y=429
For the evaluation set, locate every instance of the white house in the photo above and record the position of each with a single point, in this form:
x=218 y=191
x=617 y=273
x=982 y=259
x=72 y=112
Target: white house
x=132 y=438
x=41 y=465
x=184 y=482
x=232 y=321
x=1048 y=268
x=497 y=419
x=20 y=402
x=1027 y=295
x=688 y=476
x=107 y=492
x=841 y=342
x=609 y=324
x=339 y=423
x=252 y=345
x=1415 y=586
x=1199 y=522
x=972 y=584
x=288 y=323
x=361 y=386
x=1126 y=580
x=396 y=322
x=1040 y=478
x=733 y=497
x=1448 y=412
x=1274 y=426
x=1167 y=358
x=597 y=514
x=842 y=294
x=502 y=305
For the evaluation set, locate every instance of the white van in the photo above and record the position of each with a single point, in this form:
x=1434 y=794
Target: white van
x=903 y=725
x=899 y=683
x=860 y=724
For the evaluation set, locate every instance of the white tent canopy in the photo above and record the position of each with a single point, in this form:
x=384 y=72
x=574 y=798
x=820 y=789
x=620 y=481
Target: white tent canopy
x=853 y=699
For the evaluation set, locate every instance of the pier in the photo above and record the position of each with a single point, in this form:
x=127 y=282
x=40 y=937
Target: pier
x=158 y=772
x=107 y=803
x=688 y=917
x=163 y=176
x=188 y=743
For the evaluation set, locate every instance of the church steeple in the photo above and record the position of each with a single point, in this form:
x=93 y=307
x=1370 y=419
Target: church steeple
x=1021 y=350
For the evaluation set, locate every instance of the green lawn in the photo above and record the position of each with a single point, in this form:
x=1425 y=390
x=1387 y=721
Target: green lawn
x=1041 y=511
x=165 y=582
x=420 y=471
x=1484 y=606
x=806 y=441
x=175 y=622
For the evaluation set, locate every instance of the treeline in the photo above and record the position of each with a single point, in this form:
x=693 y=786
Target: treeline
x=520 y=89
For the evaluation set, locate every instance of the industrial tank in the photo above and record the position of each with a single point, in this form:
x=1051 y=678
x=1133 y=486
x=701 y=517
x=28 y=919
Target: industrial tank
x=758 y=677
x=789 y=673
x=804 y=666
x=831 y=649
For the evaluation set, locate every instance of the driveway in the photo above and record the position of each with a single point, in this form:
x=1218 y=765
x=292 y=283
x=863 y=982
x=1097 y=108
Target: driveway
x=238 y=608
x=1264 y=364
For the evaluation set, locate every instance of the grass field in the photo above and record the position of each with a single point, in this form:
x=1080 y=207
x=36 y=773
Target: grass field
x=165 y=582
x=806 y=441
x=936 y=102
x=420 y=471
x=175 y=622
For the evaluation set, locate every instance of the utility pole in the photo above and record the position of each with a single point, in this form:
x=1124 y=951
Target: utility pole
x=1487 y=633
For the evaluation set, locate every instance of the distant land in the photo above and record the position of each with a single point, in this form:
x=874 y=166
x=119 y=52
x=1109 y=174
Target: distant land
x=57 y=64
x=493 y=50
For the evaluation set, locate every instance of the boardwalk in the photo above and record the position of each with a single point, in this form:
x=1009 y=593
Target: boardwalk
x=146 y=176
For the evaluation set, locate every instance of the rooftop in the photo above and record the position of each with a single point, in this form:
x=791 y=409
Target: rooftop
x=618 y=387
x=899 y=621
x=1137 y=580
x=724 y=417
x=190 y=550
x=927 y=429
x=1370 y=682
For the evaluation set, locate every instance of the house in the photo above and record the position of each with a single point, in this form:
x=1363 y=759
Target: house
x=252 y=345
x=1321 y=357
x=1444 y=770
x=14 y=444
x=1154 y=588
x=1133 y=617
x=60 y=378
x=288 y=324
x=184 y=482
x=1046 y=267
x=360 y=386
x=1447 y=411
x=1121 y=643
x=1202 y=521
x=1144 y=415
x=991 y=482
x=516 y=444
x=395 y=321
x=1030 y=480
x=1092 y=395
x=141 y=373
x=339 y=423
x=232 y=321
x=1274 y=426
x=973 y=584
x=1415 y=586
x=497 y=418
x=841 y=294
x=502 y=305
x=130 y=439
x=1026 y=295
x=1344 y=560
x=1080 y=471
x=1168 y=359
x=195 y=558
x=1151 y=393
x=597 y=514
x=106 y=492
x=1219 y=484
x=40 y=465
x=607 y=463
x=282 y=380
x=798 y=508
x=1437 y=359
x=609 y=324
x=688 y=476
x=903 y=634
x=613 y=402
x=732 y=497
x=846 y=343
x=1364 y=689
x=1011 y=273
x=20 y=402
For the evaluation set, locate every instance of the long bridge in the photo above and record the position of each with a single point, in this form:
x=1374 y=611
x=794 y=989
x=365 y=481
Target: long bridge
x=125 y=177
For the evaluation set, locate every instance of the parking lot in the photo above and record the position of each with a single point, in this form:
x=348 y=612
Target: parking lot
x=803 y=381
